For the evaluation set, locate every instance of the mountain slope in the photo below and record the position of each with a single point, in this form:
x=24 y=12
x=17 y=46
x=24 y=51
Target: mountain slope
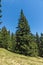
x=9 y=58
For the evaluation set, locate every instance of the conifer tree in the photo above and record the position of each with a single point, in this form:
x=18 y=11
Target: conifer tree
x=9 y=40
x=33 y=46
x=25 y=40
x=1 y=45
x=13 y=42
x=23 y=30
x=41 y=45
x=38 y=42
x=4 y=34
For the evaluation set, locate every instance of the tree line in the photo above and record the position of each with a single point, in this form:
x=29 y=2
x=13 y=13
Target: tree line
x=23 y=41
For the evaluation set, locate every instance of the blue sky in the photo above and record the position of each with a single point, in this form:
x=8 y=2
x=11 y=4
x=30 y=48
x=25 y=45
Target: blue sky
x=33 y=10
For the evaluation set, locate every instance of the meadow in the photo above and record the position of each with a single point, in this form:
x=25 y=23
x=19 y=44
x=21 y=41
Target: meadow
x=9 y=58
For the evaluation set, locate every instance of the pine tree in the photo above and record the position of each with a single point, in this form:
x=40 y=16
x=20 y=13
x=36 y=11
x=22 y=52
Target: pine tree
x=9 y=41
x=4 y=37
x=13 y=42
x=25 y=40
x=23 y=30
x=33 y=47
x=38 y=42
x=1 y=40
x=41 y=45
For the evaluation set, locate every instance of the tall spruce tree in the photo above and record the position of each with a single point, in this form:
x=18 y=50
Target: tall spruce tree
x=25 y=43
x=23 y=30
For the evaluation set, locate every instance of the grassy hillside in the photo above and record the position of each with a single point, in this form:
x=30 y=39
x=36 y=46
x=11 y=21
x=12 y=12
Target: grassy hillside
x=9 y=58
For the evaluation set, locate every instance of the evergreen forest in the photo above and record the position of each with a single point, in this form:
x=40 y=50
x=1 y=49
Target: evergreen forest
x=23 y=41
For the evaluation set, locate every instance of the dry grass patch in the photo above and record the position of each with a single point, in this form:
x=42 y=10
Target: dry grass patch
x=9 y=58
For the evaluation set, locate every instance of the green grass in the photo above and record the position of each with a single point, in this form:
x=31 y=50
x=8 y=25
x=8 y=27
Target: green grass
x=9 y=58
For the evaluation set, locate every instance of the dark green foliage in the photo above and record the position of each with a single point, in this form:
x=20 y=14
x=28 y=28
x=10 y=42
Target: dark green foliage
x=25 y=43
x=22 y=34
x=37 y=39
x=13 y=42
x=33 y=46
x=9 y=40
x=1 y=45
x=4 y=37
x=41 y=45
